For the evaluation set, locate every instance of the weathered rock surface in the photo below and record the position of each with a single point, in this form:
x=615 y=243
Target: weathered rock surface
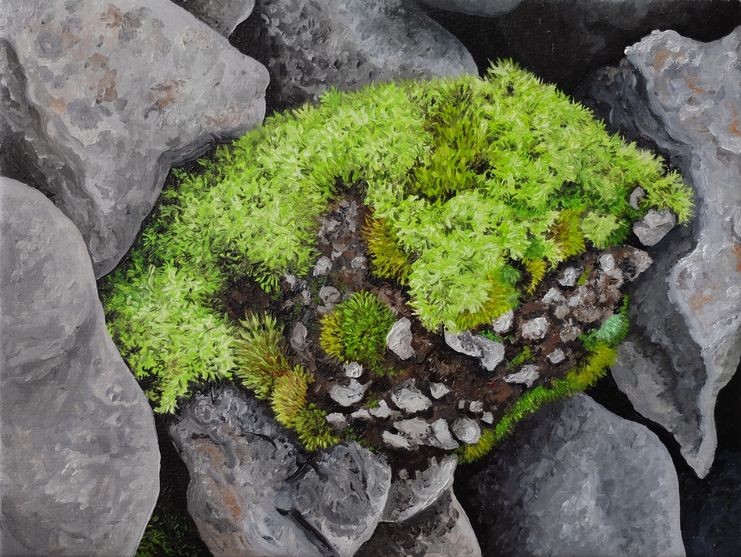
x=413 y=494
x=254 y=490
x=485 y=8
x=489 y=353
x=574 y=479
x=310 y=46
x=399 y=339
x=101 y=96
x=685 y=97
x=79 y=463
x=221 y=15
x=563 y=41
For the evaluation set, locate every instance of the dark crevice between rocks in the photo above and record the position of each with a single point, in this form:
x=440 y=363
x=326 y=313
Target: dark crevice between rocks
x=547 y=37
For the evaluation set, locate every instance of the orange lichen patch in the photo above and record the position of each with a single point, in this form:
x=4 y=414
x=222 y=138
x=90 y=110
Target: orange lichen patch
x=165 y=94
x=111 y=16
x=733 y=128
x=57 y=104
x=660 y=58
x=737 y=252
x=693 y=86
x=97 y=61
x=698 y=301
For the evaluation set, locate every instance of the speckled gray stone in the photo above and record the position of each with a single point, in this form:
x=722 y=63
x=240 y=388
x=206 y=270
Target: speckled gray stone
x=535 y=329
x=466 y=430
x=79 y=459
x=574 y=479
x=652 y=228
x=527 y=375
x=250 y=479
x=349 y=393
x=685 y=96
x=311 y=46
x=103 y=96
x=410 y=399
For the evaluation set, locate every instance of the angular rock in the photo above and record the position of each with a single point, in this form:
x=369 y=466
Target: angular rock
x=253 y=490
x=476 y=406
x=382 y=411
x=442 y=530
x=554 y=296
x=489 y=353
x=534 y=329
x=347 y=395
x=337 y=421
x=654 y=226
x=395 y=441
x=323 y=266
x=441 y=437
x=353 y=370
x=298 y=337
x=504 y=322
x=487 y=418
x=399 y=339
x=574 y=479
x=362 y=414
x=414 y=429
x=410 y=496
x=103 y=96
x=79 y=459
x=684 y=96
x=527 y=375
x=635 y=197
x=329 y=295
x=467 y=430
x=309 y=47
x=557 y=356
x=569 y=276
x=221 y=15
x=410 y=399
x=438 y=390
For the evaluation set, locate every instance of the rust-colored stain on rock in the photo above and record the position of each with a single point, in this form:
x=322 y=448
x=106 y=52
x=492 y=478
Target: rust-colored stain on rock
x=111 y=16
x=698 y=301
x=660 y=58
x=737 y=252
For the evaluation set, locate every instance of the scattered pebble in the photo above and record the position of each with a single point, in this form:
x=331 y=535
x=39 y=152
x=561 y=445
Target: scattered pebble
x=441 y=437
x=353 y=369
x=347 y=395
x=395 y=441
x=569 y=277
x=490 y=353
x=527 y=375
x=438 y=390
x=415 y=429
x=476 y=406
x=298 y=337
x=323 y=266
x=534 y=329
x=607 y=262
x=503 y=323
x=337 y=421
x=487 y=418
x=362 y=414
x=382 y=411
x=329 y=295
x=654 y=226
x=569 y=332
x=410 y=399
x=557 y=356
x=635 y=197
x=467 y=430
x=399 y=339
x=554 y=296
x=461 y=405
x=305 y=297
x=359 y=263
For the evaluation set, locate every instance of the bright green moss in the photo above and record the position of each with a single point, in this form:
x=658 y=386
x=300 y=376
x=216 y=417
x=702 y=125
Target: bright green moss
x=356 y=330
x=470 y=177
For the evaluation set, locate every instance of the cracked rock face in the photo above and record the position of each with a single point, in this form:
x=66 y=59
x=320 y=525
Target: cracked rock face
x=310 y=46
x=254 y=491
x=574 y=479
x=79 y=460
x=100 y=97
x=684 y=96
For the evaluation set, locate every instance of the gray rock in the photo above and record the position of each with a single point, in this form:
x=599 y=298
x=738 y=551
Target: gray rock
x=410 y=399
x=527 y=375
x=353 y=370
x=362 y=414
x=103 y=96
x=442 y=530
x=399 y=339
x=395 y=441
x=249 y=480
x=489 y=353
x=298 y=337
x=347 y=395
x=635 y=197
x=487 y=418
x=329 y=295
x=476 y=406
x=467 y=430
x=79 y=459
x=504 y=322
x=485 y=8
x=574 y=479
x=652 y=228
x=408 y=497
x=383 y=412
x=557 y=356
x=534 y=329
x=323 y=266
x=221 y=15
x=359 y=263
x=686 y=309
x=569 y=276
x=441 y=437
x=554 y=296
x=438 y=390
x=309 y=47
x=337 y=421
x=414 y=429
x=569 y=332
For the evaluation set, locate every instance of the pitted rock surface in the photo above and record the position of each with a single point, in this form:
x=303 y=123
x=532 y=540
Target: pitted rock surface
x=102 y=96
x=79 y=460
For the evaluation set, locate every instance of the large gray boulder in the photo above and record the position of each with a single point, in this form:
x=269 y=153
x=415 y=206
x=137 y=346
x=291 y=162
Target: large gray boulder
x=221 y=15
x=576 y=480
x=310 y=46
x=684 y=97
x=101 y=97
x=254 y=491
x=79 y=463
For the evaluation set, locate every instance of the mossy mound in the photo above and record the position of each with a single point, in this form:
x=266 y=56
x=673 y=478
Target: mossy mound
x=475 y=190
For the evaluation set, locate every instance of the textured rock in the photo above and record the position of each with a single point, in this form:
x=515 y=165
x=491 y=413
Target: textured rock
x=254 y=491
x=399 y=339
x=102 y=96
x=534 y=329
x=438 y=390
x=410 y=399
x=485 y=8
x=441 y=437
x=221 y=15
x=443 y=530
x=654 y=226
x=467 y=430
x=416 y=430
x=684 y=96
x=347 y=395
x=299 y=333
x=489 y=353
x=504 y=322
x=353 y=370
x=310 y=46
x=526 y=376
x=79 y=463
x=409 y=496
x=575 y=479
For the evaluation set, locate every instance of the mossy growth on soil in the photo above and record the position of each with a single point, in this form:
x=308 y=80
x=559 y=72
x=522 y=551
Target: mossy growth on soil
x=473 y=191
